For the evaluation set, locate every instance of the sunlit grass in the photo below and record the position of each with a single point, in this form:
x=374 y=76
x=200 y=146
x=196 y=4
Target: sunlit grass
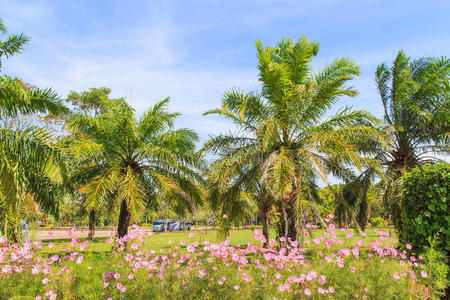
x=162 y=240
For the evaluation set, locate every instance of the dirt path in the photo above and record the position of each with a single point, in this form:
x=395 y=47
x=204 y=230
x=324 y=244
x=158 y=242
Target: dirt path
x=43 y=234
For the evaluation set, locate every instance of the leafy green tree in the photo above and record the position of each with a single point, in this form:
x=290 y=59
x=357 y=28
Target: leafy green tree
x=94 y=103
x=136 y=160
x=284 y=140
x=415 y=96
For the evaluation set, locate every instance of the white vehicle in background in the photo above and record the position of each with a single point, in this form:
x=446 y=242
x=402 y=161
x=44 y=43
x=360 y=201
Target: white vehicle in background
x=172 y=225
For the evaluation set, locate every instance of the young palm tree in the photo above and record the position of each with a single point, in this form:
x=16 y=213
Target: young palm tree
x=415 y=96
x=285 y=142
x=14 y=44
x=132 y=162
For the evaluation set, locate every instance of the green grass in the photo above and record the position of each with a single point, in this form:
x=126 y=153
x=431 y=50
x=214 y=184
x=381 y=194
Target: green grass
x=237 y=237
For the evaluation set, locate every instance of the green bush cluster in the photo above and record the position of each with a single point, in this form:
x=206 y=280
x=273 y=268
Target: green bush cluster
x=425 y=210
x=378 y=222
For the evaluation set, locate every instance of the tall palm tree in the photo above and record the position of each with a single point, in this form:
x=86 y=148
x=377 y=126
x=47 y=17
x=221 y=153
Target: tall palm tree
x=415 y=96
x=131 y=162
x=30 y=161
x=14 y=43
x=284 y=141
x=30 y=164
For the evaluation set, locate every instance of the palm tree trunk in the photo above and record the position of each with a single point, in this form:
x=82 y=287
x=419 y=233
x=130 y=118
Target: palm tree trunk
x=287 y=228
x=316 y=211
x=91 y=234
x=265 y=227
x=124 y=219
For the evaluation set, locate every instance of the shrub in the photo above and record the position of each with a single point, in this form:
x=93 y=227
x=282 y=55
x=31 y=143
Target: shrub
x=378 y=222
x=425 y=210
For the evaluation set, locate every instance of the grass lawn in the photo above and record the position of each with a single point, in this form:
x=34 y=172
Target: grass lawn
x=237 y=237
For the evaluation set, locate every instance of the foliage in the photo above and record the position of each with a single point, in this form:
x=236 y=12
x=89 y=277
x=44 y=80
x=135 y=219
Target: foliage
x=425 y=211
x=93 y=102
x=13 y=44
x=378 y=222
x=437 y=267
x=284 y=142
x=132 y=163
x=30 y=167
x=415 y=97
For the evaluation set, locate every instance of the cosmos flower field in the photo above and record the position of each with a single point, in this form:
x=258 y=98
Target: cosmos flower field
x=320 y=266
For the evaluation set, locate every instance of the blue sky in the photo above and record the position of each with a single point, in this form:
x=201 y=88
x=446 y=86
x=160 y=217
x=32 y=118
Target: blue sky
x=193 y=51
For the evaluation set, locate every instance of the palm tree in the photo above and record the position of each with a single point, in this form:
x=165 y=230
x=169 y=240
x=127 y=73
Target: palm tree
x=30 y=161
x=134 y=162
x=14 y=44
x=30 y=165
x=284 y=141
x=415 y=96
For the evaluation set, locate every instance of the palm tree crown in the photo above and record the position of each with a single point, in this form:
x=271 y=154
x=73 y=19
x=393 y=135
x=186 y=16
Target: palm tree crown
x=133 y=162
x=415 y=96
x=284 y=140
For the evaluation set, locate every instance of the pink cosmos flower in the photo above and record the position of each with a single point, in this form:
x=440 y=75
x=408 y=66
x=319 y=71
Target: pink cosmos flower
x=128 y=257
x=201 y=273
x=191 y=235
x=307 y=292
x=224 y=216
x=245 y=277
x=45 y=281
x=352 y=269
x=424 y=274
x=408 y=246
x=396 y=277
x=236 y=287
x=51 y=294
x=322 y=279
x=50 y=233
x=35 y=270
x=80 y=259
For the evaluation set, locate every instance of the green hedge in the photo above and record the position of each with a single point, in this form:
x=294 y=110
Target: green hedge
x=425 y=210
